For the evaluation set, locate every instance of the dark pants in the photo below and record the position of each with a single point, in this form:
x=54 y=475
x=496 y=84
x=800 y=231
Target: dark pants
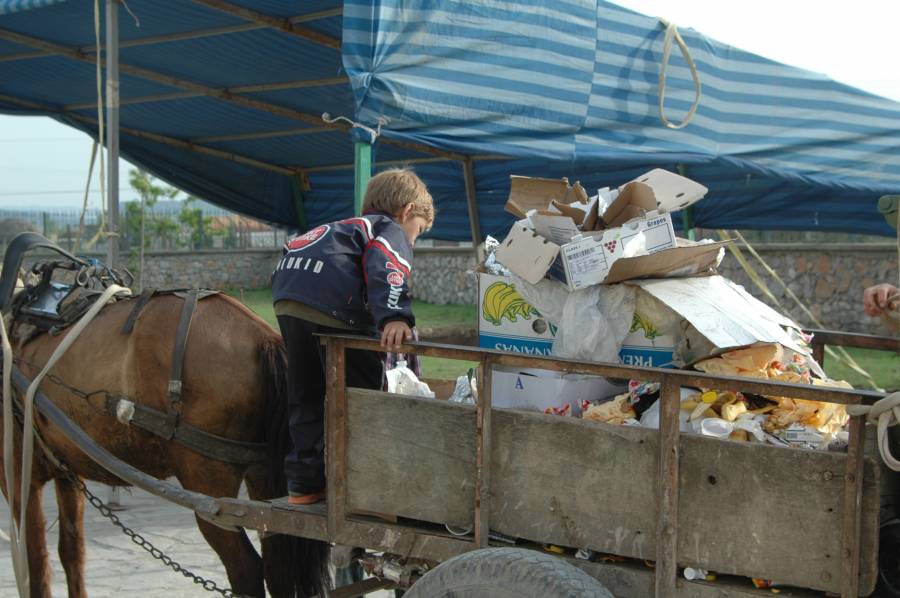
x=305 y=464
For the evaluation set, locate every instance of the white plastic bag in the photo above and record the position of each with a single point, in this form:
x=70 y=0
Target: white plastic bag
x=592 y=322
x=650 y=417
x=465 y=390
x=402 y=380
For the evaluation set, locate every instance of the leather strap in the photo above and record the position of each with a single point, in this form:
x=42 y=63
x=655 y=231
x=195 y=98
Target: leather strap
x=139 y=305
x=173 y=411
x=204 y=443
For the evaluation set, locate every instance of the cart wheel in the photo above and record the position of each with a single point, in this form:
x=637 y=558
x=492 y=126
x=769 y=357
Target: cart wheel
x=888 y=561
x=507 y=573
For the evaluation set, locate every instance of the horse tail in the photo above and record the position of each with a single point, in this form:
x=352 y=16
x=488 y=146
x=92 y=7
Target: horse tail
x=294 y=566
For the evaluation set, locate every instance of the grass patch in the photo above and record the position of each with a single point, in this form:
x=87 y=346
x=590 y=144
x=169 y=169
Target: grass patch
x=259 y=300
x=883 y=366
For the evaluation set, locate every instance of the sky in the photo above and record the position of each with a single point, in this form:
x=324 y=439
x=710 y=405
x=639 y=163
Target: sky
x=45 y=164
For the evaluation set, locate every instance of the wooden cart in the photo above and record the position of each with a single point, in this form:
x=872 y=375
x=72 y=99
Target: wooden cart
x=806 y=519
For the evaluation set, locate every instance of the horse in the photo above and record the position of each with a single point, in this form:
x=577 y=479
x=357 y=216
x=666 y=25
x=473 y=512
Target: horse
x=233 y=383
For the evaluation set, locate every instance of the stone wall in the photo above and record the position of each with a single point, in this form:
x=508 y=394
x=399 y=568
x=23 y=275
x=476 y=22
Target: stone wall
x=222 y=269
x=440 y=275
x=829 y=279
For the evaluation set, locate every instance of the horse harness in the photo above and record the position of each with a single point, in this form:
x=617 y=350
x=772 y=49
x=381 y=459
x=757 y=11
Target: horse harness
x=170 y=425
x=50 y=306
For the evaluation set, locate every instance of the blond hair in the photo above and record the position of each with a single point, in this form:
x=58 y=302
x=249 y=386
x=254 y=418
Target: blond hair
x=393 y=189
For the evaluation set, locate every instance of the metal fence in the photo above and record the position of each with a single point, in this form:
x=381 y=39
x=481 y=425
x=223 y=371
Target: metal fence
x=168 y=226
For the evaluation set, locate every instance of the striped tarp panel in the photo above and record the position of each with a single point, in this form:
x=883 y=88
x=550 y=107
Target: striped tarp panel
x=577 y=82
x=11 y=6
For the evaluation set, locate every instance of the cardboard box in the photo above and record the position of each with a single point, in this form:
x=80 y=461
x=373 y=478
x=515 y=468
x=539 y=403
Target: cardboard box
x=506 y=322
x=644 y=345
x=636 y=223
x=714 y=315
x=536 y=390
x=588 y=260
x=528 y=193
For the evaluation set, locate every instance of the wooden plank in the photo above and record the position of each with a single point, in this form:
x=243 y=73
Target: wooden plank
x=667 y=491
x=744 y=509
x=855 y=340
x=624 y=580
x=851 y=508
x=336 y=434
x=682 y=377
x=483 y=456
x=278 y=23
x=635 y=580
x=379 y=450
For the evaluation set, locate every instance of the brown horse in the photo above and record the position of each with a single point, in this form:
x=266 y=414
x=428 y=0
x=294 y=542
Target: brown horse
x=233 y=386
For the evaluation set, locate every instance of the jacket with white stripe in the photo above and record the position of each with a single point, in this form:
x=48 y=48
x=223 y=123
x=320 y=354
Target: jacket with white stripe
x=356 y=270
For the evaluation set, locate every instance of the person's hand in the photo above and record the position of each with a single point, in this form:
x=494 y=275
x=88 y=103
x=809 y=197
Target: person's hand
x=875 y=299
x=395 y=333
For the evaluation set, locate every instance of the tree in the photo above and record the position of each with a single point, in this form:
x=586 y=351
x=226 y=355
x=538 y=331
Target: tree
x=150 y=192
x=193 y=219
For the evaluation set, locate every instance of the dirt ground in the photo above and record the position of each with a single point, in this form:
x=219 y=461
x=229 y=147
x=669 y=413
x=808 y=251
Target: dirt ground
x=114 y=564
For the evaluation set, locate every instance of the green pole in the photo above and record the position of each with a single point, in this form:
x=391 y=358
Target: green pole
x=299 y=199
x=687 y=214
x=687 y=223
x=362 y=172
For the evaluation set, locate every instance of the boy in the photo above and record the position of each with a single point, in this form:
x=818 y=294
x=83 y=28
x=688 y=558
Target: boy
x=347 y=276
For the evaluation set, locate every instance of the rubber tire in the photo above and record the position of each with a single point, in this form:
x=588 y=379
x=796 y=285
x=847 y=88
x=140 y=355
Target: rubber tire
x=507 y=573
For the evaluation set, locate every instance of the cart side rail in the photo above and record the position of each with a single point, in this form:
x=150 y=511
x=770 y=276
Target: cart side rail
x=668 y=456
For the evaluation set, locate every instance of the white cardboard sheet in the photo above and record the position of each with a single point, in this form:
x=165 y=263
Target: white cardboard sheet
x=722 y=311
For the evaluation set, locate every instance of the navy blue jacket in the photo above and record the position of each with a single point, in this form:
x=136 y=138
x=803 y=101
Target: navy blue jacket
x=356 y=270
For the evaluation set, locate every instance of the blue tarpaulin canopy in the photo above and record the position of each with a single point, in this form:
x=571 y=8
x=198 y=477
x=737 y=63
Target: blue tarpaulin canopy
x=224 y=98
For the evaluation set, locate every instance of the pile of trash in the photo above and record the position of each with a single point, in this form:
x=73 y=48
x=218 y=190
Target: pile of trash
x=737 y=416
x=605 y=279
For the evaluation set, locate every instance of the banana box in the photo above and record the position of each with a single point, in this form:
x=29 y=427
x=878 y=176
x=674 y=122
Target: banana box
x=646 y=345
x=529 y=389
x=652 y=338
x=506 y=322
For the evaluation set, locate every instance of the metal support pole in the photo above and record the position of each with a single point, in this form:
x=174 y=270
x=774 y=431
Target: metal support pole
x=687 y=214
x=687 y=223
x=112 y=131
x=362 y=172
x=474 y=222
x=298 y=188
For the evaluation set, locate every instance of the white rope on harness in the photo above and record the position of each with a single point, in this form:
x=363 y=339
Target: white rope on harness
x=18 y=531
x=87 y=191
x=100 y=121
x=883 y=414
x=19 y=555
x=673 y=34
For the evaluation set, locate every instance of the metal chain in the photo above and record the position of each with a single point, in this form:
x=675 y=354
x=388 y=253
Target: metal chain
x=207 y=584
x=60 y=382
